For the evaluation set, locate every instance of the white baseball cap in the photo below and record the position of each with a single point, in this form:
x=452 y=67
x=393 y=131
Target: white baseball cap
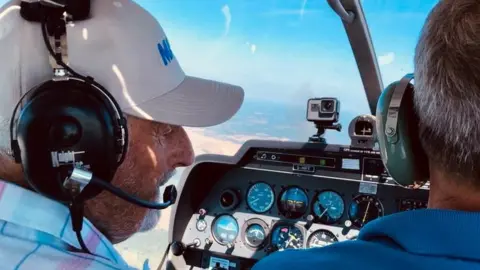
x=125 y=49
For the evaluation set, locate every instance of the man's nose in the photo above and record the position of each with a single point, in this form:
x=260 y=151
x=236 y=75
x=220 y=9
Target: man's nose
x=181 y=151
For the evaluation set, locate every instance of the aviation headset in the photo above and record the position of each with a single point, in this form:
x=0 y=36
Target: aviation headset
x=398 y=138
x=70 y=126
x=65 y=120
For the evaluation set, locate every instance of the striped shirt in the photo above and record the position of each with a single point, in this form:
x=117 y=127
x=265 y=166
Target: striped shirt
x=36 y=233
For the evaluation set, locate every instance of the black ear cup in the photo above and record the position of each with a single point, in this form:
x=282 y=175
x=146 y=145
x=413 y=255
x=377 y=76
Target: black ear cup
x=67 y=121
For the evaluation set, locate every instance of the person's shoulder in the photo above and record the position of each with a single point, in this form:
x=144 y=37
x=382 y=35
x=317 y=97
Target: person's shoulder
x=330 y=257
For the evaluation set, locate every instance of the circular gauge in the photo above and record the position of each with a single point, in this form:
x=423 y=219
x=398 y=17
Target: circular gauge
x=260 y=197
x=228 y=199
x=321 y=238
x=287 y=237
x=201 y=225
x=364 y=208
x=328 y=207
x=254 y=235
x=225 y=229
x=293 y=202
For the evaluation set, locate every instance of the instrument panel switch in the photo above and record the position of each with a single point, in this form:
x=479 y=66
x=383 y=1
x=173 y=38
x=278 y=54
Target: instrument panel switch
x=348 y=224
x=310 y=220
x=208 y=241
x=202 y=213
x=196 y=242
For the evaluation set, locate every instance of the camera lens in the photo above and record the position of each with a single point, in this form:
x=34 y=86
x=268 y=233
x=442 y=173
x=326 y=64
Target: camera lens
x=327 y=106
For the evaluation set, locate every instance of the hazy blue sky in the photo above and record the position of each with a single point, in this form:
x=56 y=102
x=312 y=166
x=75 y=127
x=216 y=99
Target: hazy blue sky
x=288 y=50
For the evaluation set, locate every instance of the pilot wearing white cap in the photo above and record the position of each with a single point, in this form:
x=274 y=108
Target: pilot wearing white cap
x=125 y=49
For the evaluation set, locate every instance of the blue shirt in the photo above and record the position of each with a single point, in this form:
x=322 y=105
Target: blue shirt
x=36 y=233
x=420 y=239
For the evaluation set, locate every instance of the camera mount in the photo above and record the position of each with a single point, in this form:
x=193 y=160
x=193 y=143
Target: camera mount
x=321 y=128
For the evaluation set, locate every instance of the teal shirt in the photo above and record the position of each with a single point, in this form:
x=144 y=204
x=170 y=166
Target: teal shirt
x=420 y=239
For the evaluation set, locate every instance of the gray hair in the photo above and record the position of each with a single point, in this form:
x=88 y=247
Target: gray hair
x=447 y=88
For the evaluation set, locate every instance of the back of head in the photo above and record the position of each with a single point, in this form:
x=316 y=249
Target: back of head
x=447 y=89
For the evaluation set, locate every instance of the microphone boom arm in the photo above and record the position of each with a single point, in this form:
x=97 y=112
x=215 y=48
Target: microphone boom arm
x=84 y=178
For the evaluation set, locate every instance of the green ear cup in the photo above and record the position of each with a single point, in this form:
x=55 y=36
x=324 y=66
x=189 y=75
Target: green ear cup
x=397 y=131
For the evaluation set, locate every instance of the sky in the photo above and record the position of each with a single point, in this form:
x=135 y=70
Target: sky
x=289 y=49
x=282 y=52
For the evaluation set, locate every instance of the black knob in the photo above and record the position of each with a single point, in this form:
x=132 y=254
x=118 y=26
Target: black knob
x=177 y=248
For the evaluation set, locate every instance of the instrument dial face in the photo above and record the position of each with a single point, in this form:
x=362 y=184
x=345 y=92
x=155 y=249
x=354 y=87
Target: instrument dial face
x=260 y=197
x=255 y=235
x=225 y=229
x=201 y=225
x=365 y=208
x=287 y=237
x=328 y=207
x=293 y=202
x=321 y=238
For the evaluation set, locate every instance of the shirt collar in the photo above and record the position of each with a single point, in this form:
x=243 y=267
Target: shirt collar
x=28 y=209
x=433 y=232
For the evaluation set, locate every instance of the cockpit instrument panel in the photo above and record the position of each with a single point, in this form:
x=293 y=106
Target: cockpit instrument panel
x=275 y=196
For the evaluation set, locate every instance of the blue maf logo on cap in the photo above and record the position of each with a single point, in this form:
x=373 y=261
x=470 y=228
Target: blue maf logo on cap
x=165 y=51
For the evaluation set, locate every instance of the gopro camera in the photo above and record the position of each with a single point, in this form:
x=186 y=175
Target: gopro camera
x=323 y=110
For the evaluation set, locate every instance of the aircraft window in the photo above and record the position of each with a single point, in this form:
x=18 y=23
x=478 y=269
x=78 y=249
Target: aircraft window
x=394 y=28
x=282 y=53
